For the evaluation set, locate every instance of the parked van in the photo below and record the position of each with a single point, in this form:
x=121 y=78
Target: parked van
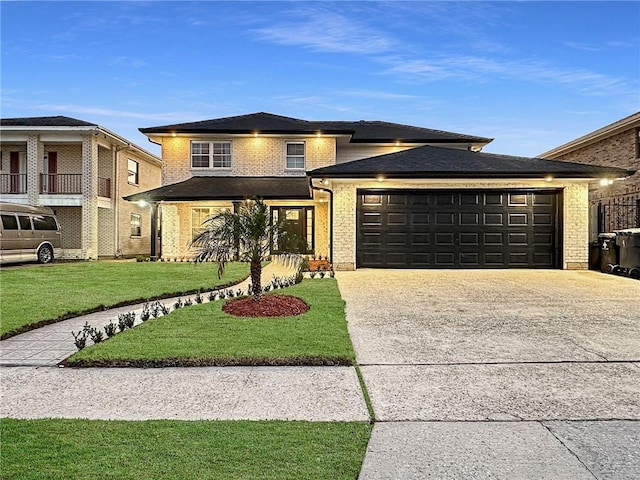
x=28 y=233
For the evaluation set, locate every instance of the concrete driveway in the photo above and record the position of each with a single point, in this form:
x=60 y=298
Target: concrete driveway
x=528 y=373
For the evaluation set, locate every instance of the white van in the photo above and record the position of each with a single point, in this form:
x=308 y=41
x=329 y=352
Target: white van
x=28 y=233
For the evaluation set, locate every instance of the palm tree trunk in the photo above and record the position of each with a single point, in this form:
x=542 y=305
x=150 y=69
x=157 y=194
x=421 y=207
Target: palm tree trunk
x=256 y=282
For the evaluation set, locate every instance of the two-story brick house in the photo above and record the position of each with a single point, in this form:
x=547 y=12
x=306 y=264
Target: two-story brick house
x=615 y=206
x=375 y=194
x=81 y=170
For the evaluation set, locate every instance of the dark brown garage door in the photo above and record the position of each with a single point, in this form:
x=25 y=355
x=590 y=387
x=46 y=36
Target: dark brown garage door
x=458 y=229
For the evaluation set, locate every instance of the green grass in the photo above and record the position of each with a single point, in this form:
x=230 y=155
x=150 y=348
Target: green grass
x=39 y=295
x=161 y=450
x=205 y=335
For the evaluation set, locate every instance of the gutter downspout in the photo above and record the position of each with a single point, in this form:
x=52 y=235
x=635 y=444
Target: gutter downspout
x=330 y=192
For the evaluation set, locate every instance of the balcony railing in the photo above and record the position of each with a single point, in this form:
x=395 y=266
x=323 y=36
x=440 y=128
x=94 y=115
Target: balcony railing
x=13 y=183
x=52 y=183
x=61 y=183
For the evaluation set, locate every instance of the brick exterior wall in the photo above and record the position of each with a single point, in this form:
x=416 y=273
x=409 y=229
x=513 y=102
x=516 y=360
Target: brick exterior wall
x=250 y=156
x=70 y=219
x=620 y=150
x=149 y=177
x=575 y=215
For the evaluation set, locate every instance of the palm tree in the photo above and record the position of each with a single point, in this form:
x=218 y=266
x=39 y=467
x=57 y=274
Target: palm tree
x=247 y=234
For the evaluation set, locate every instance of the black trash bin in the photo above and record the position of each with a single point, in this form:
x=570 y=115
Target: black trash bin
x=608 y=252
x=628 y=241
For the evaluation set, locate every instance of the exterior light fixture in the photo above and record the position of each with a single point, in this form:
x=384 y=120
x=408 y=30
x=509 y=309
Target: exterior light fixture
x=255 y=134
x=548 y=178
x=605 y=182
x=142 y=203
x=325 y=181
x=173 y=134
x=380 y=178
x=319 y=134
x=397 y=143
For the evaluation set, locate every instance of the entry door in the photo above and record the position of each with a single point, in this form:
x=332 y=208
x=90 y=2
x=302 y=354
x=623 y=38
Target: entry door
x=298 y=229
x=14 y=170
x=52 y=172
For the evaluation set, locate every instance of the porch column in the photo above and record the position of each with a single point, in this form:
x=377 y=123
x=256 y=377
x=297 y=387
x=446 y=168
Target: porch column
x=35 y=154
x=154 y=252
x=89 y=197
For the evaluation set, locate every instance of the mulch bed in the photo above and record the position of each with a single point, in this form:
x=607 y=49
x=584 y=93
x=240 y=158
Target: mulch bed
x=268 y=306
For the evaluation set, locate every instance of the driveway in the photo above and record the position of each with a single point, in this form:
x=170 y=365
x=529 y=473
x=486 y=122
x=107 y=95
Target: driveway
x=528 y=373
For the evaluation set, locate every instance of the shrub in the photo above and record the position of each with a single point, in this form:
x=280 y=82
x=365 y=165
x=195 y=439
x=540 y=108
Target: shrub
x=198 y=298
x=110 y=329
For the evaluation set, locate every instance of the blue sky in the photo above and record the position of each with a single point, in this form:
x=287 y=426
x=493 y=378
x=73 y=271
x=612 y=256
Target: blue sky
x=532 y=75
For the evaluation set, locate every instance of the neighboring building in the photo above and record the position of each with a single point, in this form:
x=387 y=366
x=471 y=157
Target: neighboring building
x=81 y=171
x=375 y=194
x=615 y=206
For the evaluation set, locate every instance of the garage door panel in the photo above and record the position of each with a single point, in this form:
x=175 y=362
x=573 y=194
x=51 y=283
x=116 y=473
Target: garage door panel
x=458 y=229
x=445 y=218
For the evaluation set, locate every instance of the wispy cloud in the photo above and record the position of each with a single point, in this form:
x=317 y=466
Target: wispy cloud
x=326 y=31
x=375 y=94
x=482 y=68
x=108 y=112
x=599 y=47
x=129 y=62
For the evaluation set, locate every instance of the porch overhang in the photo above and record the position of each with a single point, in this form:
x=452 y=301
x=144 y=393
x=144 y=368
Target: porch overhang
x=228 y=188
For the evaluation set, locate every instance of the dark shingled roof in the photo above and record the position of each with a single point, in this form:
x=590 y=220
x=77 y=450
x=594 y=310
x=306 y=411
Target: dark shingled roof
x=361 y=131
x=229 y=188
x=440 y=162
x=57 y=121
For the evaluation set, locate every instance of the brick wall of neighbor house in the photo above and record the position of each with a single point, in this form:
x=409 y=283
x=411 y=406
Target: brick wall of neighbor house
x=106 y=229
x=576 y=216
x=6 y=149
x=70 y=219
x=69 y=156
x=149 y=177
x=620 y=150
x=250 y=156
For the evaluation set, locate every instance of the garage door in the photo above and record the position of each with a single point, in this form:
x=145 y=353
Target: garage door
x=458 y=229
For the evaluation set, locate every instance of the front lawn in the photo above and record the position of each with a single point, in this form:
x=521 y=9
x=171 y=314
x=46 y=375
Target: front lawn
x=205 y=335
x=54 y=449
x=34 y=296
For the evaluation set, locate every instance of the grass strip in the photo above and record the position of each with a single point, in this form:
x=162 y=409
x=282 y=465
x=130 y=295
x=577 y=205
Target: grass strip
x=57 y=449
x=36 y=296
x=205 y=335
x=365 y=393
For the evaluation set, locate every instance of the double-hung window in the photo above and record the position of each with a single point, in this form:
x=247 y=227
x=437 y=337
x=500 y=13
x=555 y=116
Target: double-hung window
x=135 y=223
x=210 y=154
x=295 y=156
x=132 y=172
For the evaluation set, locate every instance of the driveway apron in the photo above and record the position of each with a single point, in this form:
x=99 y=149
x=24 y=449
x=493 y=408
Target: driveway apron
x=498 y=373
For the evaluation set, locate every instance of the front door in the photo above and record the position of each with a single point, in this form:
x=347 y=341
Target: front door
x=298 y=229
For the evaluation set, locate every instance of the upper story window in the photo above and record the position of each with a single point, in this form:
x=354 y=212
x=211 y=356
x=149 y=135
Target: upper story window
x=132 y=172
x=210 y=154
x=295 y=155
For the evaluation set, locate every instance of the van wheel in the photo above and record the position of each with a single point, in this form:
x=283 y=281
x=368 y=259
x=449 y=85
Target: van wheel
x=45 y=254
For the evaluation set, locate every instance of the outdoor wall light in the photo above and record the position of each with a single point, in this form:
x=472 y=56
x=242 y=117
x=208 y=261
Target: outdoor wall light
x=142 y=203
x=548 y=178
x=380 y=178
x=606 y=182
